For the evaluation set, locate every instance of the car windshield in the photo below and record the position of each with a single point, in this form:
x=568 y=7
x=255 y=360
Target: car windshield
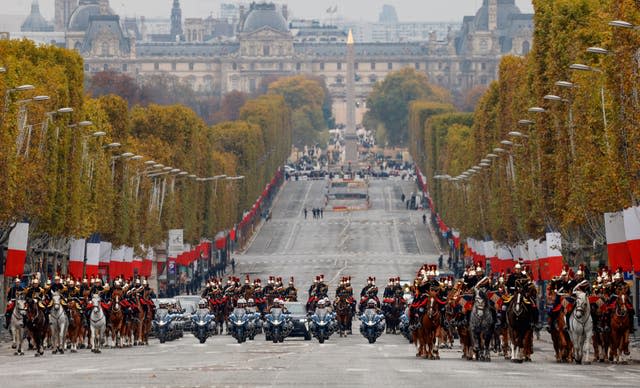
x=296 y=308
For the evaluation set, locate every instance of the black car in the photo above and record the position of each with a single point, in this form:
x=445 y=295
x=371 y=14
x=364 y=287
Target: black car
x=298 y=313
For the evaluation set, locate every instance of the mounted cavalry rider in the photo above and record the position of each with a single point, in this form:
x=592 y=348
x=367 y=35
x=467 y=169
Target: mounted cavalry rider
x=619 y=286
x=370 y=292
x=12 y=295
x=35 y=291
x=388 y=290
x=291 y=293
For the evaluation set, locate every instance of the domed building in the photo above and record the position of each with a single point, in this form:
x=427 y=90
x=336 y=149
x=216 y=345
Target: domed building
x=80 y=17
x=35 y=22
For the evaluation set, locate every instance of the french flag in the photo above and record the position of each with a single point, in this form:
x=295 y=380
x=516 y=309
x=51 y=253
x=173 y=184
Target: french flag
x=127 y=263
x=93 y=256
x=17 y=253
x=147 y=263
x=105 y=257
x=617 y=248
x=76 y=257
x=554 y=254
x=632 y=234
x=116 y=267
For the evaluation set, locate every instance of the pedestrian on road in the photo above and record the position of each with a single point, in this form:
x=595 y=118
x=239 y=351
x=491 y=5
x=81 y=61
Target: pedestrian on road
x=233 y=266
x=424 y=219
x=305 y=213
x=403 y=197
x=321 y=213
x=407 y=204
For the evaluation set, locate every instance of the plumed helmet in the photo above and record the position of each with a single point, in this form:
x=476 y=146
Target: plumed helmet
x=241 y=301
x=137 y=282
x=71 y=283
x=618 y=276
x=250 y=301
x=17 y=280
x=472 y=272
x=371 y=302
x=518 y=266
x=321 y=302
x=56 y=278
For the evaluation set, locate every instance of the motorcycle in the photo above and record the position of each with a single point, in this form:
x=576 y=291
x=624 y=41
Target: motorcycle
x=203 y=324
x=239 y=325
x=372 y=325
x=255 y=325
x=277 y=326
x=404 y=327
x=164 y=326
x=322 y=325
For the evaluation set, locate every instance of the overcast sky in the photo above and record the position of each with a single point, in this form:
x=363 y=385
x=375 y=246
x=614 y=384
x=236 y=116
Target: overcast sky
x=408 y=10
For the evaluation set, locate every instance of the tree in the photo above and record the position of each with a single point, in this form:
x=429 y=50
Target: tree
x=390 y=99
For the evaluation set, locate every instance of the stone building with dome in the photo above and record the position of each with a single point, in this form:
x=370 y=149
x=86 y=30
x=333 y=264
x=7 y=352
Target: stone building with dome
x=264 y=46
x=35 y=22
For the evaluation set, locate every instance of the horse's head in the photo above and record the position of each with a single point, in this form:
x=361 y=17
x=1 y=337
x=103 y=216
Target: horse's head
x=95 y=301
x=21 y=307
x=582 y=305
x=116 y=303
x=433 y=309
x=55 y=300
x=480 y=300
x=621 y=304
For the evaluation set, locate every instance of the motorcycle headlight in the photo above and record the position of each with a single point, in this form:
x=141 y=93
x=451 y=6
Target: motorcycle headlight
x=276 y=322
x=239 y=323
x=303 y=320
x=322 y=323
x=162 y=323
x=370 y=323
x=202 y=323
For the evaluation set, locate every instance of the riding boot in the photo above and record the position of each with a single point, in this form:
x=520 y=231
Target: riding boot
x=632 y=323
x=7 y=319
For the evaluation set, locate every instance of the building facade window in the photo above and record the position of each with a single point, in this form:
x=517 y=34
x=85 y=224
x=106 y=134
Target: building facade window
x=191 y=66
x=156 y=66
x=105 y=49
x=321 y=65
x=339 y=80
x=389 y=66
x=483 y=66
x=173 y=66
x=417 y=66
x=125 y=67
x=339 y=65
x=298 y=66
x=373 y=65
x=105 y=67
x=266 y=50
x=234 y=66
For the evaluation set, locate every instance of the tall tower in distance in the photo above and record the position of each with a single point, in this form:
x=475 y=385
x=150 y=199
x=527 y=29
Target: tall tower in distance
x=63 y=10
x=351 y=140
x=176 y=21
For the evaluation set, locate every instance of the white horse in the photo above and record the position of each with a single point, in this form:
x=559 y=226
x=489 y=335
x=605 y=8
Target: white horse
x=17 y=325
x=581 y=327
x=97 y=323
x=59 y=324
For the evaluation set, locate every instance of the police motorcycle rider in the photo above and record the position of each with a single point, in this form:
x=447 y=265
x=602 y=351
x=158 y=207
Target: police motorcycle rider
x=323 y=310
x=372 y=309
x=13 y=294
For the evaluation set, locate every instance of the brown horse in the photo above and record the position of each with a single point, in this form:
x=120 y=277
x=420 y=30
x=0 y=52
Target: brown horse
x=75 y=334
x=425 y=336
x=601 y=330
x=558 y=329
x=519 y=317
x=343 y=316
x=620 y=324
x=36 y=324
x=116 y=322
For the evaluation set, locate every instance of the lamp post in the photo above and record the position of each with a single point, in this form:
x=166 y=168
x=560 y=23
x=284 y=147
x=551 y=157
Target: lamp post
x=24 y=130
x=556 y=98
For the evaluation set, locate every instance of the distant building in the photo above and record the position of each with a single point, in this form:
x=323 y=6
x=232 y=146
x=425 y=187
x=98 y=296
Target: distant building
x=35 y=22
x=388 y=14
x=218 y=55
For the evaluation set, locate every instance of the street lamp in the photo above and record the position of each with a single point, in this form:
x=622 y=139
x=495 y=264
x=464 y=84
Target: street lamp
x=623 y=24
x=113 y=145
x=598 y=50
x=556 y=98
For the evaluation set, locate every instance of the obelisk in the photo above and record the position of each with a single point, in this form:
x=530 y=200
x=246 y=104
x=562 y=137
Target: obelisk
x=351 y=140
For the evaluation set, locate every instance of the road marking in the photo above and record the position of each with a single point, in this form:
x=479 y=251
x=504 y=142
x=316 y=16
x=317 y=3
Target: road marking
x=409 y=370
x=85 y=370
x=356 y=370
x=141 y=370
x=33 y=372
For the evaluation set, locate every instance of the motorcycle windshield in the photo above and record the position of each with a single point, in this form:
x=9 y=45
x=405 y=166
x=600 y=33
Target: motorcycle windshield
x=322 y=314
x=370 y=314
x=239 y=313
x=276 y=313
x=161 y=314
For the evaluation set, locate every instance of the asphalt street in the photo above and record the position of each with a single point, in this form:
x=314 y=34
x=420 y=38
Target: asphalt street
x=384 y=241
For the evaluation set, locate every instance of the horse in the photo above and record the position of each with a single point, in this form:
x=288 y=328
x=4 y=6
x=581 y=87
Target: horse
x=59 y=324
x=116 y=322
x=97 y=324
x=620 y=323
x=425 y=336
x=76 y=330
x=562 y=344
x=519 y=317
x=581 y=328
x=392 y=312
x=36 y=323
x=17 y=325
x=601 y=330
x=481 y=326
x=343 y=316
